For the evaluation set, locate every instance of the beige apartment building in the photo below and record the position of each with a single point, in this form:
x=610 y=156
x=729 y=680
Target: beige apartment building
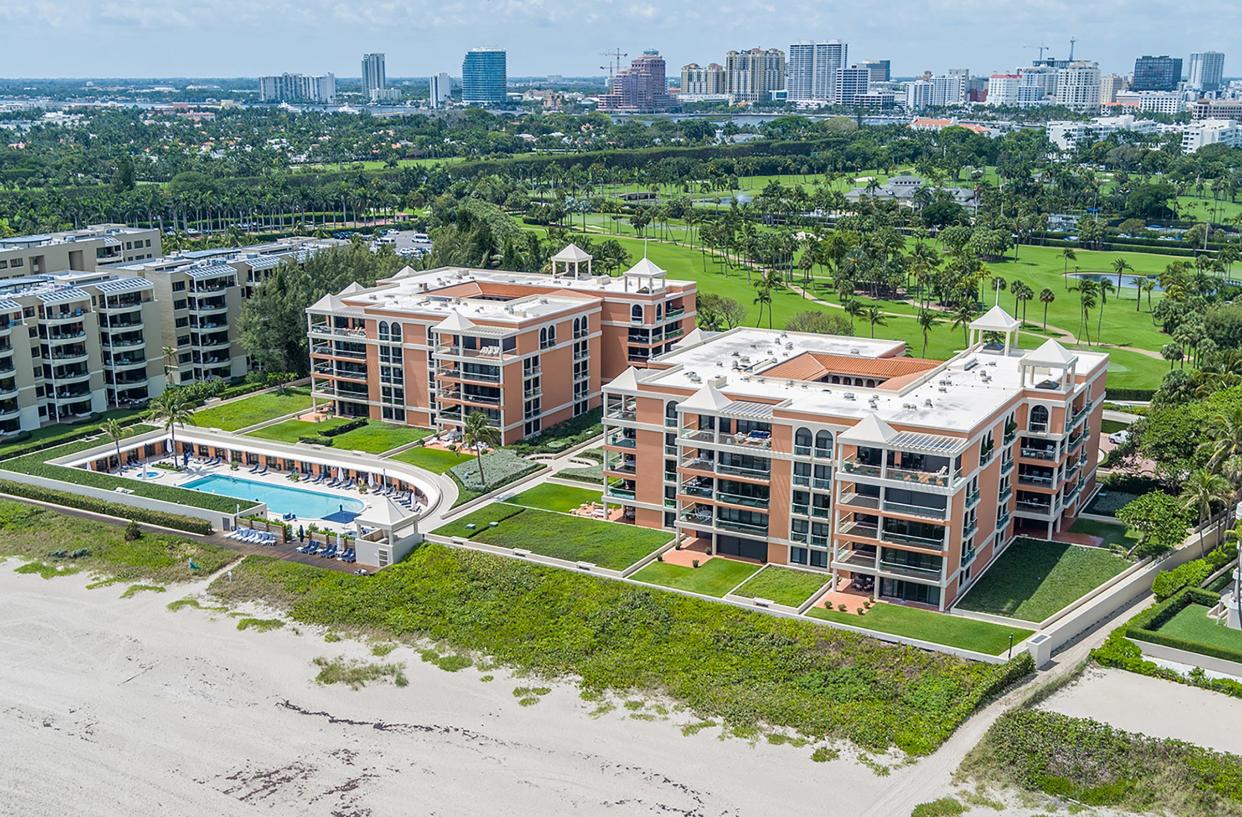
x=899 y=477
x=89 y=249
x=527 y=350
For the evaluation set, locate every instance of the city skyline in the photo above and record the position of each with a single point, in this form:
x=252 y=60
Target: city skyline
x=236 y=40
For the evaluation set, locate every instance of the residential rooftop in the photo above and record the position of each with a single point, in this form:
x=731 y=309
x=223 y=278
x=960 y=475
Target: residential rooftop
x=68 y=236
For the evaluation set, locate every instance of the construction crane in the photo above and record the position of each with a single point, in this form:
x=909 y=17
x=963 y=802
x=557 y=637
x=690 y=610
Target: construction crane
x=614 y=62
x=1073 y=42
x=1042 y=50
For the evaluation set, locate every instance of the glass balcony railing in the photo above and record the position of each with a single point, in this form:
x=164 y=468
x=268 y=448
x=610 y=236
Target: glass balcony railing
x=1039 y=453
x=902 y=538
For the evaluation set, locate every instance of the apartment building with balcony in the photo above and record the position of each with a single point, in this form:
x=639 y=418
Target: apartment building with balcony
x=897 y=476
x=528 y=350
x=89 y=249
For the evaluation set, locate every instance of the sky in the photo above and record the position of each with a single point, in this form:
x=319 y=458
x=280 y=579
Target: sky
x=239 y=38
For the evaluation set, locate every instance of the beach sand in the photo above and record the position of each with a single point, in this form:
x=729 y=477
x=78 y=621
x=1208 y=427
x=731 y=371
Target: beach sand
x=113 y=706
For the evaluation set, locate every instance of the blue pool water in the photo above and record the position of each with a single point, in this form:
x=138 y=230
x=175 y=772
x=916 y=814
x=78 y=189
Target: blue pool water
x=281 y=499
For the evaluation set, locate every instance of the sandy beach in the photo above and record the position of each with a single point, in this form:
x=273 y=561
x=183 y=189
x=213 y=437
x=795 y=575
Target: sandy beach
x=113 y=706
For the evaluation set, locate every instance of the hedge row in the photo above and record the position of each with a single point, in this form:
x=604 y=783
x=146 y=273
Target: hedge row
x=87 y=503
x=1114 y=393
x=1146 y=625
x=1192 y=573
x=352 y=425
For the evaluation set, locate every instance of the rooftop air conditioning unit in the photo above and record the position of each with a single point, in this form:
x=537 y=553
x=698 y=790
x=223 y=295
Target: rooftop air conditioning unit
x=789 y=347
x=849 y=395
x=928 y=402
x=855 y=352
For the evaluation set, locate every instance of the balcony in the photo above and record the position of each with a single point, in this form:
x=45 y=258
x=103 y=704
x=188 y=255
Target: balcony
x=626 y=468
x=924 y=511
x=61 y=317
x=65 y=337
x=1005 y=493
x=743 y=471
x=745 y=528
x=852 y=528
x=1035 y=479
x=209 y=308
x=125 y=361
x=909 y=571
x=699 y=515
x=914 y=540
x=1043 y=508
x=68 y=357
x=741 y=499
x=853 y=466
x=473 y=399
x=1006 y=466
x=856 y=500
x=623 y=494
x=331 y=351
x=620 y=441
x=625 y=414
x=485 y=353
x=357 y=333
x=855 y=558
x=972 y=497
x=1038 y=453
x=211 y=342
x=1002 y=521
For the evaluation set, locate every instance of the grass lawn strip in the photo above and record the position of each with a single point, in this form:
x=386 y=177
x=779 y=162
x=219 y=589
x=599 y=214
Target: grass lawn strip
x=744 y=668
x=255 y=409
x=376 y=437
x=560 y=536
x=1034 y=579
x=549 y=496
x=715 y=577
x=74 y=544
x=290 y=431
x=35 y=464
x=783 y=585
x=435 y=460
x=928 y=625
x=1192 y=624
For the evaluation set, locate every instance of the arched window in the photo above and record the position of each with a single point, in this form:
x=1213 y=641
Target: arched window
x=1039 y=418
x=802 y=441
x=543 y=337
x=823 y=444
x=636 y=313
x=396 y=332
x=659 y=312
x=670 y=413
x=383 y=330
x=552 y=335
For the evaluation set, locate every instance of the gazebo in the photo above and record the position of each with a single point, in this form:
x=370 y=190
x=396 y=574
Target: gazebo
x=995 y=321
x=572 y=257
x=386 y=533
x=1050 y=362
x=645 y=277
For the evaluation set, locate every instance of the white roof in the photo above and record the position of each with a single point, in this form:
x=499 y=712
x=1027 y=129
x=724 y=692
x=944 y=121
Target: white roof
x=692 y=337
x=1050 y=354
x=626 y=381
x=645 y=268
x=869 y=430
x=707 y=398
x=455 y=322
x=995 y=320
x=384 y=513
x=573 y=254
x=352 y=288
x=329 y=302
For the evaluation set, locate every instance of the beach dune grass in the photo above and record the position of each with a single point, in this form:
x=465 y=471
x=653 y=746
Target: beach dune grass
x=783 y=585
x=560 y=536
x=741 y=667
x=928 y=625
x=256 y=408
x=715 y=577
x=1034 y=579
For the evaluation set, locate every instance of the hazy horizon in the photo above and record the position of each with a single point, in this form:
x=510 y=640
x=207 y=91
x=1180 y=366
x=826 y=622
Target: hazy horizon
x=80 y=39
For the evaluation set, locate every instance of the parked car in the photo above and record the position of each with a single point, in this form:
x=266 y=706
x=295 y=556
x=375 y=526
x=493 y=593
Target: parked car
x=1119 y=437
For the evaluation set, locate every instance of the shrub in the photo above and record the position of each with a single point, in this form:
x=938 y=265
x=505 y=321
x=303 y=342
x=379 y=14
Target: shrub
x=500 y=467
x=315 y=439
x=563 y=436
x=1187 y=574
x=943 y=807
x=87 y=503
x=352 y=425
x=1119 y=652
x=132 y=532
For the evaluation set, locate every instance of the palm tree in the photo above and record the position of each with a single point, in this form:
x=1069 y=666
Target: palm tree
x=1201 y=491
x=1147 y=285
x=115 y=432
x=1021 y=294
x=1086 y=302
x=853 y=309
x=927 y=321
x=768 y=280
x=874 y=315
x=1120 y=265
x=1105 y=287
x=1046 y=297
x=1068 y=255
x=170 y=363
x=170 y=410
x=963 y=314
x=476 y=433
x=1226 y=438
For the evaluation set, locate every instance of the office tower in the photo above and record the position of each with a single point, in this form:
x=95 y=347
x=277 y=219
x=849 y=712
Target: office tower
x=373 y=76
x=1156 y=73
x=753 y=75
x=1110 y=86
x=697 y=81
x=484 y=76
x=1003 y=90
x=1078 y=86
x=850 y=84
x=918 y=94
x=1207 y=70
x=441 y=88
x=812 y=70
x=881 y=70
x=901 y=476
x=1217 y=109
x=641 y=88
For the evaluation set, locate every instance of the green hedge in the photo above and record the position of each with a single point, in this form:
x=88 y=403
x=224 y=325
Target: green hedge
x=352 y=425
x=315 y=440
x=87 y=503
x=36 y=464
x=78 y=431
x=1146 y=625
x=1187 y=574
x=1119 y=652
x=1114 y=393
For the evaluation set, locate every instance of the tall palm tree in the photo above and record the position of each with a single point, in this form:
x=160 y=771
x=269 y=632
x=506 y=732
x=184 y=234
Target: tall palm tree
x=1226 y=438
x=963 y=314
x=1068 y=255
x=927 y=321
x=874 y=316
x=1146 y=285
x=853 y=309
x=1046 y=297
x=1120 y=265
x=1105 y=287
x=476 y=433
x=171 y=409
x=1021 y=294
x=1201 y=492
x=115 y=432
x=1086 y=290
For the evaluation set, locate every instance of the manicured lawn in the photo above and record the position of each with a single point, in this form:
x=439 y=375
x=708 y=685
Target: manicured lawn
x=1112 y=534
x=1192 y=624
x=607 y=544
x=782 y=585
x=552 y=497
x=436 y=460
x=1032 y=580
x=290 y=431
x=928 y=625
x=714 y=578
x=376 y=437
x=1112 y=426
x=255 y=409
x=60 y=432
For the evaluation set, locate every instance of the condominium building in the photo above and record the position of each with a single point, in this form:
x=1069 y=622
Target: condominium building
x=318 y=90
x=484 y=77
x=1217 y=109
x=812 y=71
x=96 y=247
x=1110 y=86
x=526 y=350
x=1069 y=135
x=754 y=75
x=374 y=77
x=1203 y=132
x=1156 y=73
x=851 y=83
x=898 y=476
x=1165 y=102
x=918 y=95
x=1003 y=90
x=1207 y=71
x=1078 y=86
x=440 y=88
x=703 y=82
x=949 y=89
x=641 y=88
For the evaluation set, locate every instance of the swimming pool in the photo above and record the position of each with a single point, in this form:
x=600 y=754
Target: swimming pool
x=281 y=499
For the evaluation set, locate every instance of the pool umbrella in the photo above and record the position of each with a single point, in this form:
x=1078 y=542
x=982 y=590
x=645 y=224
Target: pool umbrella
x=370 y=480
